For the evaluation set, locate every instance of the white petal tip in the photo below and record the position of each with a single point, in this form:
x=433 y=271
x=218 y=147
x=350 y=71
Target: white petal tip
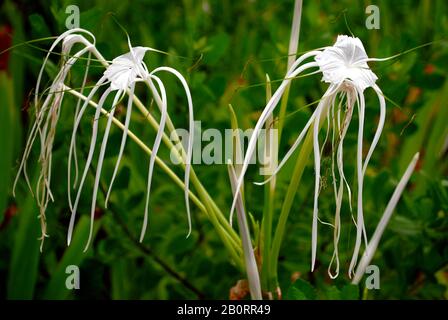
x=188 y=235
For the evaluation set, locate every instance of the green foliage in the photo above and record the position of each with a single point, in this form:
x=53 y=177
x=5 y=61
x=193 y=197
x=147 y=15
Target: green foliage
x=301 y=290
x=225 y=49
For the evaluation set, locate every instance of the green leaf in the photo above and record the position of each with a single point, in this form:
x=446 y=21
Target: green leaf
x=350 y=292
x=119 y=279
x=25 y=253
x=38 y=25
x=6 y=145
x=89 y=19
x=217 y=46
x=301 y=290
x=123 y=178
x=73 y=255
x=333 y=293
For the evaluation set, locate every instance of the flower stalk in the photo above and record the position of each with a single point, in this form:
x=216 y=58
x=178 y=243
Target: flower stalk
x=249 y=256
x=376 y=237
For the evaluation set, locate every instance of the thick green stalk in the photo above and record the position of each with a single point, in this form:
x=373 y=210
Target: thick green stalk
x=271 y=268
x=282 y=113
x=268 y=214
x=269 y=194
x=292 y=51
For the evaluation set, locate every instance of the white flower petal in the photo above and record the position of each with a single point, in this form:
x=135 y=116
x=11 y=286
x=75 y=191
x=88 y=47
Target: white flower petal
x=127 y=69
x=346 y=59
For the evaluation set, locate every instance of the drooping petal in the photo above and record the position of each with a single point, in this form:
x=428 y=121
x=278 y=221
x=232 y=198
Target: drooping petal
x=73 y=139
x=295 y=71
x=380 y=126
x=123 y=141
x=78 y=106
x=360 y=228
x=89 y=156
x=100 y=164
x=190 y=136
x=155 y=149
x=55 y=43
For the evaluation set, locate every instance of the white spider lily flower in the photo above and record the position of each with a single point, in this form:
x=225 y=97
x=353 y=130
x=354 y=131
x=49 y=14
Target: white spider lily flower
x=344 y=67
x=120 y=76
x=373 y=244
x=46 y=118
x=346 y=59
x=124 y=72
x=127 y=69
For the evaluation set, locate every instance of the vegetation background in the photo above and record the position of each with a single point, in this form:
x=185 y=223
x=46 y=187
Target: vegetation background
x=227 y=47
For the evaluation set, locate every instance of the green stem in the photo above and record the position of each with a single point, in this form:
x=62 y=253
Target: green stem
x=268 y=215
x=269 y=195
x=282 y=113
x=302 y=160
x=293 y=45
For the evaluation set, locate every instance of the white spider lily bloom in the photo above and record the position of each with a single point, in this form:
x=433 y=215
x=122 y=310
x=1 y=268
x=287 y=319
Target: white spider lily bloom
x=124 y=72
x=346 y=59
x=120 y=77
x=47 y=116
x=344 y=67
x=127 y=69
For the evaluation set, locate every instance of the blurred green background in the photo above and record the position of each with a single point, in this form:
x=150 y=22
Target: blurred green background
x=224 y=49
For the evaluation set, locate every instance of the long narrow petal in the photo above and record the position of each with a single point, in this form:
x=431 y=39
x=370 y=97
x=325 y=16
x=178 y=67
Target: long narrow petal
x=379 y=128
x=290 y=152
x=340 y=191
x=78 y=106
x=373 y=244
x=73 y=139
x=55 y=43
x=190 y=137
x=89 y=156
x=100 y=164
x=155 y=148
x=265 y=115
x=360 y=216
x=331 y=90
x=123 y=141
x=316 y=184
x=40 y=116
